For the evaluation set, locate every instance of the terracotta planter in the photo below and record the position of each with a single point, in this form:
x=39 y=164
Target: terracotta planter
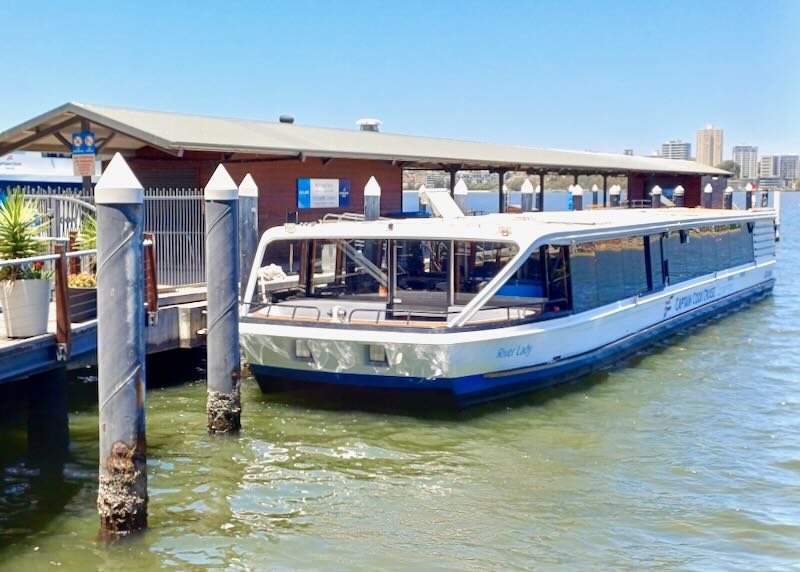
x=26 y=305
x=82 y=303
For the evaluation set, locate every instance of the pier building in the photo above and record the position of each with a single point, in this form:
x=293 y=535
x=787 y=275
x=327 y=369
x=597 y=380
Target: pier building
x=286 y=159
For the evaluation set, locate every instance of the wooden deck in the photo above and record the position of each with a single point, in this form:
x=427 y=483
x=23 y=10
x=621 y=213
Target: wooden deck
x=181 y=317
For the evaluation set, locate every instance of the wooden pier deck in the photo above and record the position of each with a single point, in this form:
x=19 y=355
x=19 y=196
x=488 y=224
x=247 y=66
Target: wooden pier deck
x=181 y=321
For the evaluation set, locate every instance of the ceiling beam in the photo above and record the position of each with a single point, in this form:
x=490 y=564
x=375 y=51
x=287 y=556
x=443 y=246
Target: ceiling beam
x=39 y=134
x=64 y=140
x=106 y=141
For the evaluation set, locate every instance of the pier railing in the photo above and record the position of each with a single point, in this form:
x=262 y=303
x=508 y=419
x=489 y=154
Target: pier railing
x=174 y=216
x=73 y=294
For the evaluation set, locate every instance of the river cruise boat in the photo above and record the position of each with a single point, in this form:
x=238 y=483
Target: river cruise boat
x=489 y=306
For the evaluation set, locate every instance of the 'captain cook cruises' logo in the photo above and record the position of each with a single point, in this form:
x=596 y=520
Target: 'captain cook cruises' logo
x=668 y=305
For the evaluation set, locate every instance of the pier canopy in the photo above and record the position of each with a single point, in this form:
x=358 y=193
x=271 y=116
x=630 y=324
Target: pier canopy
x=177 y=149
x=126 y=130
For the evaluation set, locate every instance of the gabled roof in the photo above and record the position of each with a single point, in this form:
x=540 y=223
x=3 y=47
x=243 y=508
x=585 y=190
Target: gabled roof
x=125 y=130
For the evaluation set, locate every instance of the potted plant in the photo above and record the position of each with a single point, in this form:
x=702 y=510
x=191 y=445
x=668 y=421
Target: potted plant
x=24 y=288
x=82 y=287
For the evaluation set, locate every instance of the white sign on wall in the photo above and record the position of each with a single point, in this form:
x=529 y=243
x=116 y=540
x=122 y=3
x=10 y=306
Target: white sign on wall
x=323 y=193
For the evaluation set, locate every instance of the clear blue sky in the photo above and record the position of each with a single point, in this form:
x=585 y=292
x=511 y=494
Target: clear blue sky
x=601 y=76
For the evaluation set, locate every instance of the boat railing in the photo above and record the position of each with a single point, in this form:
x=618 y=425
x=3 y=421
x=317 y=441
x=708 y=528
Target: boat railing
x=294 y=308
x=346 y=217
x=406 y=316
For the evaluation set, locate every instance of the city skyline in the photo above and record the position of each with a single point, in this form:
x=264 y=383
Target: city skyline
x=588 y=83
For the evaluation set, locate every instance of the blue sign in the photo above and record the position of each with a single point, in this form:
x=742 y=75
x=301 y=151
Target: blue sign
x=83 y=143
x=323 y=193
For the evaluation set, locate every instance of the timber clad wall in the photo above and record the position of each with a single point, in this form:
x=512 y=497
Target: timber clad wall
x=276 y=180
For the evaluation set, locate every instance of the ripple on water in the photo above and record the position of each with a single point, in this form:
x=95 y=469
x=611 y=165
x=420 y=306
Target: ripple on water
x=686 y=458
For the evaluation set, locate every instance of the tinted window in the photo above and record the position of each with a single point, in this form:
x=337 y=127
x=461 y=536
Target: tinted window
x=605 y=271
x=656 y=266
x=705 y=250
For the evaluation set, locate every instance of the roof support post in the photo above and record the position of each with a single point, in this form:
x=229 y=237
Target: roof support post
x=605 y=190
x=87 y=181
x=452 y=181
x=540 y=195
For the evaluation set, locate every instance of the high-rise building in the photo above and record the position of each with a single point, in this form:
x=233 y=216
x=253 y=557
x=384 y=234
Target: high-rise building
x=768 y=166
x=676 y=150
x=789 y=167
x=709 y=145
x=746 y=156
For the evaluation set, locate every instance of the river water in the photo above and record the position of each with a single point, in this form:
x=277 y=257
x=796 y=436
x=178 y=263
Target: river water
x=686 y=458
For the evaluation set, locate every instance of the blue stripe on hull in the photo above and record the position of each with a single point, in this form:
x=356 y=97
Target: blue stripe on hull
x=472 y=389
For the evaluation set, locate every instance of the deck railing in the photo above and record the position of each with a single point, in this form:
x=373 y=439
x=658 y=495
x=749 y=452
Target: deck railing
x=70 y=309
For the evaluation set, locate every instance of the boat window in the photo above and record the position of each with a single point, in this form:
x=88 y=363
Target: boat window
x=423 y=265
x=605 y=271
x=321 y=269
x=477 y=263
x=706 y=250
x=656 y=268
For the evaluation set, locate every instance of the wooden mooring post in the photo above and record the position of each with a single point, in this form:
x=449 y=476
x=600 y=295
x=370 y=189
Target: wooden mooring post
x=122 y=494
x=223 y=404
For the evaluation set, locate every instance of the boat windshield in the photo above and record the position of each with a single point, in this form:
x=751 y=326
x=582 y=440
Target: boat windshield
x=410 y=282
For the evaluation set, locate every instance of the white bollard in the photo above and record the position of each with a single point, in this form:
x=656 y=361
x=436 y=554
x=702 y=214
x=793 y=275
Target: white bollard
x=372 y=200
x=461 y=195
x=527 y=196
x=248 y=228
x=577 y=198
x=655 y=197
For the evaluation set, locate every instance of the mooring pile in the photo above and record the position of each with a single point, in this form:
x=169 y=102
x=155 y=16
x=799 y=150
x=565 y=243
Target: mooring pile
x=122 y=494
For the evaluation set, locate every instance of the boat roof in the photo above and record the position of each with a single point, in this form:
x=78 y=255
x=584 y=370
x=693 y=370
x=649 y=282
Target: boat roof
x=126 y=130
x=524 y=228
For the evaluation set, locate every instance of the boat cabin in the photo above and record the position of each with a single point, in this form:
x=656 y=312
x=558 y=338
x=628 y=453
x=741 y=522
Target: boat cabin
x=488 y=271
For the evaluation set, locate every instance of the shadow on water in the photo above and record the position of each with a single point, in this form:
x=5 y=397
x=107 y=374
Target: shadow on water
x=41 y=471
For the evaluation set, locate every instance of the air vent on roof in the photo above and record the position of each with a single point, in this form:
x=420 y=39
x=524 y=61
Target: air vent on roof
x=286 y=119
x=369 y=124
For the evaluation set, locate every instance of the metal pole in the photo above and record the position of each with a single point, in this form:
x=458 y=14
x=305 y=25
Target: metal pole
x=605 y=191
x=461 y=195
x=224 y=406
x=452 y=182
x=248 y=228
x=122 y=494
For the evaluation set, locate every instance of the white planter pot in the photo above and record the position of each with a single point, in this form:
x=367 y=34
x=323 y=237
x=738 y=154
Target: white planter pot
x=26 y=305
